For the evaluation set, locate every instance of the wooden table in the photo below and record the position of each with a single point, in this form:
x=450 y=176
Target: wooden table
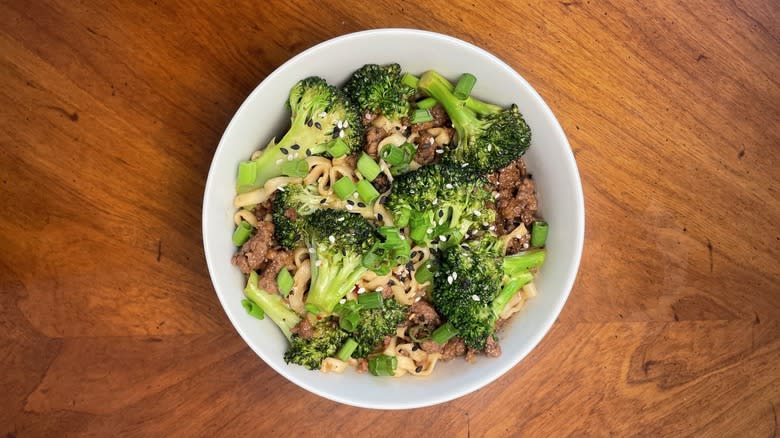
x=110 y=115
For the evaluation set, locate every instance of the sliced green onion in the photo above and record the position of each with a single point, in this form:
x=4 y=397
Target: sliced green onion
x=409 y=149
x=349 y=320
x=366 y=191
x=311 y=308
x=419 y=225
x=421 y=116
x=402 y=218
x=242 y=233
x=444 y=333
x=368 y=167
x=371 y=300
x=464 y=86
x=344 y=188
x=423 y=274
x=247 y=173
x=295 y=168
x=346 y=350
x=539 y=233
x=253 y=309
x=427 y=103
x=372 y=260
x=416 y=336
x=409 y=80
x=338 y=148
x=382 y=365
x=394 y=155
x=284 y=281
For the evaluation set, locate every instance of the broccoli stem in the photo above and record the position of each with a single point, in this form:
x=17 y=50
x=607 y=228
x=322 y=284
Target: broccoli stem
x=517 y=273
x=523 y=261
x=438 y=87
x=272 y=305
x=441 y=86
x=332 y=280
x=511 y=287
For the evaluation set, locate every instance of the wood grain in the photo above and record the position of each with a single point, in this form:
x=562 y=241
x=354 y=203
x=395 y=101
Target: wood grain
x=109 y=115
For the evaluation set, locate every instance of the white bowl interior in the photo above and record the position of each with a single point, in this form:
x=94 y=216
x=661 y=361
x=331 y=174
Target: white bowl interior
x=550 y=159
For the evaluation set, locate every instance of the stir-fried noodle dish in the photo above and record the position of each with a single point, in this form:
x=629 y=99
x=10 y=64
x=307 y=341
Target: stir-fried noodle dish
x=392 y=226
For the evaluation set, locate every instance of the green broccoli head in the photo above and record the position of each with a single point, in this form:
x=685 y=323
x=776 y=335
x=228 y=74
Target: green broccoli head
x=310 y=352
x=441 y=201
x=464 y=287
x=489 y=136
x=475 y=282
x=378 y=89
x=377 y=323
x=320 y=115
x=337 y=241
x=297 y=200
x=288 y=206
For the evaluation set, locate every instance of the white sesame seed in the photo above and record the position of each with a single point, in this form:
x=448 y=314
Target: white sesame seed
x=361 y=290
x=341 y=219
x=339 y=124
x=350 y=207
x=318 y=263
x=323 y=114
x=525 y=245
x=489 y=147
x=311 y=250
x=331 y=239
x=477 y=213
x=448 y=185
x=464 y=165
x=346 y=124
x=442 y=238
x=379 y=289
x=449 y=279
x=289 y=158
x=355 y=195
x=441 y=221
x=492 y=228
x=475 y=297
x=341 y=134
x=454 y=275
x=280 y=188
x=342 y=301
x=417 y=299
x=484 y=224
x=496 y=195
x=439 y=151
x=435 y=201
x=429 y=230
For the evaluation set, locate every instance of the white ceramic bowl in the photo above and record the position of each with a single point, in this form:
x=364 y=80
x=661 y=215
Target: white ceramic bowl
x=549 y=158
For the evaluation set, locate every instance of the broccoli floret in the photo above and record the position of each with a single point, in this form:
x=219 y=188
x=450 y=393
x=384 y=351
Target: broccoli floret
x=475 y=282
x=337 y=241
x=377 y=323
x=272 y=305
x=489 y=136
x=297 y=201
x=309 y=352
x=439 y=200
x=320 y=114
x=378 y=89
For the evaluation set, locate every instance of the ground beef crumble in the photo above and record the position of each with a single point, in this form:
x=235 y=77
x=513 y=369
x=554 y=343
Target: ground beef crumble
x=516 y=203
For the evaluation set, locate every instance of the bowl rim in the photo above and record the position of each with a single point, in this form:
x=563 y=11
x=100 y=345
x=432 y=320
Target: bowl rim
x=570 y=167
